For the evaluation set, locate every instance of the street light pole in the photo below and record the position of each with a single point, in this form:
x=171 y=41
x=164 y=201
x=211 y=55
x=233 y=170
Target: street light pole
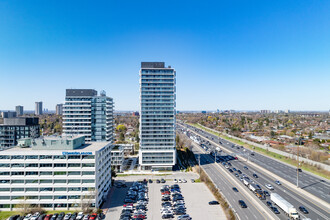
x=298 y=163
x=215 y=157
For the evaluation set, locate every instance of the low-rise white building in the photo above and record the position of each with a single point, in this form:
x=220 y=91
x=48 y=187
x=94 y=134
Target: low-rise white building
x=55 y=173
x=128 y=148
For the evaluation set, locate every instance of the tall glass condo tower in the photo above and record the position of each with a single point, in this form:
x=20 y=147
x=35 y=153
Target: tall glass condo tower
x=157 y=116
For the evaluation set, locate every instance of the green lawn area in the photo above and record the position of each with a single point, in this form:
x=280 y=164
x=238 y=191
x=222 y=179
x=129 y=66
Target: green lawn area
x=6 y=214
x=307 y=167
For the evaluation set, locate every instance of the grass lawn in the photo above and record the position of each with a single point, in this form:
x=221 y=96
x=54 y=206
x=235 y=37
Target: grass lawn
x=307 y=167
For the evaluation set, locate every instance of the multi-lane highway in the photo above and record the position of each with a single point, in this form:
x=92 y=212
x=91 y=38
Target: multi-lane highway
x=316 y=211
x=225 y=183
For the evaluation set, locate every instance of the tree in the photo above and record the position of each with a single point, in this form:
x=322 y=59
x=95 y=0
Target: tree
x=121 y=128
x=121 y=136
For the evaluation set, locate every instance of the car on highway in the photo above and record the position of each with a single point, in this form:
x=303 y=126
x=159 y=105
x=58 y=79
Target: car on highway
x=239 y=171
x=214 y=203
x=269 y=203
x=270 y=187
x=230 y=170
x=236 y=174
x=278 y=182
x=303 y=209
x=266 y=193
x=275 y=210
x=242 y=203
x=245 y=167
x=255 y=175
x=235 y=189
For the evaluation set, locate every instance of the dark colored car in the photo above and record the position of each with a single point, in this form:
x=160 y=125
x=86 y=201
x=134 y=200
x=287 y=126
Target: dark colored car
x=300 y=170
x=14 y=217
x=266 y=193
x=54 y=216
x=179 y=212
x=275 y=210
x=165 y=216
x=214 y=203
x=150 y=180
x=157 y=181
x=74 y=216
x=239 y=171
x=235 y=189
x=303 y=209
x=245 y=167
x=242 y=203
x=162 y=181
x=255 y=175
x=60 y=216
x=269 y=203
x=230 y=170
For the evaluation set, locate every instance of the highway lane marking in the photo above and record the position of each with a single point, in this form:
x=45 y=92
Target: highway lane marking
x=260 y=169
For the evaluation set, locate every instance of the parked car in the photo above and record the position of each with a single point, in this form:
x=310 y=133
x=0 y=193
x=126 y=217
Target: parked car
x=67 y=216
x=86 y=217
x=54 y=216
x=42 y=217
x=14 y=217
x=157 y=181
x=93 y=216
x=28 y=217
x=80 y=216
x=184 y=217
x=214 y=203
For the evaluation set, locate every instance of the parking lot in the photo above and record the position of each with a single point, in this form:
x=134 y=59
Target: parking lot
x=196 y=197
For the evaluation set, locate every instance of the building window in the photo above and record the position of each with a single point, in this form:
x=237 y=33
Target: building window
x=88 y=173
x=59 y=173
x=61 y=157
x=19 y=173
x=4 y=157
x=74 y=189
x=46 y=189
x=17 y=189
x=31 y=173
x=31 y=165
x=32 y=189
x=88 y=181
x=74 y=165
x=4 y=197
x=74 y=181
x=74 y=173
x=45 y=173
x=17 y=181
x=46 y=165
x=74 y=157
x=59 y=165
x=46 y=197
x=31 y=197
x=59 y=181
x=31 y=181
x=4 y=165
x=45 y=157
x=88 y=157
x=4 y=173
x=31 y=157
x=88 y=165
x=61 y=189
x=60 y=197
x=17 y=157
x=45 y=181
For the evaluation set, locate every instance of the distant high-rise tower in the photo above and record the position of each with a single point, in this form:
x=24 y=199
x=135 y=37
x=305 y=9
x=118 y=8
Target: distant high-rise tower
x=38 y=110
x=19 y=110
x=157 y=116
x=86 y=113
x=59 y=109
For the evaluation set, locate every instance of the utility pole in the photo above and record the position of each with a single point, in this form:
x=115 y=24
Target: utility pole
x=215 y=156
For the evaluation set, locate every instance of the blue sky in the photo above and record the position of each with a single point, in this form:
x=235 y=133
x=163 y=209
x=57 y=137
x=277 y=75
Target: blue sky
x=244 y=55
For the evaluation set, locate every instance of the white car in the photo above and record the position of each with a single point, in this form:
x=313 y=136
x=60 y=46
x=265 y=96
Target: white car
x=180 y=181
x=28 y=217
x=184 y=217
x=80 y=216
x=167 y=212
x=270 y=187
x=35 y=216
x=184 y=181
x=278 y=182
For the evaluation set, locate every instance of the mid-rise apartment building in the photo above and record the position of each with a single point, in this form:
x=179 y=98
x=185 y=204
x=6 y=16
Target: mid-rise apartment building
x=117 y=157
x=13 y=129
x=89 y=114
x=19 y=110
x=157 y=116
x=59 y=109
x=38 y=108
x=55 y=173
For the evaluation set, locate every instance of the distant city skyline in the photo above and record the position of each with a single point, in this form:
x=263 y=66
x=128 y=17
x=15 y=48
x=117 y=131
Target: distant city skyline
x=229 y=54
